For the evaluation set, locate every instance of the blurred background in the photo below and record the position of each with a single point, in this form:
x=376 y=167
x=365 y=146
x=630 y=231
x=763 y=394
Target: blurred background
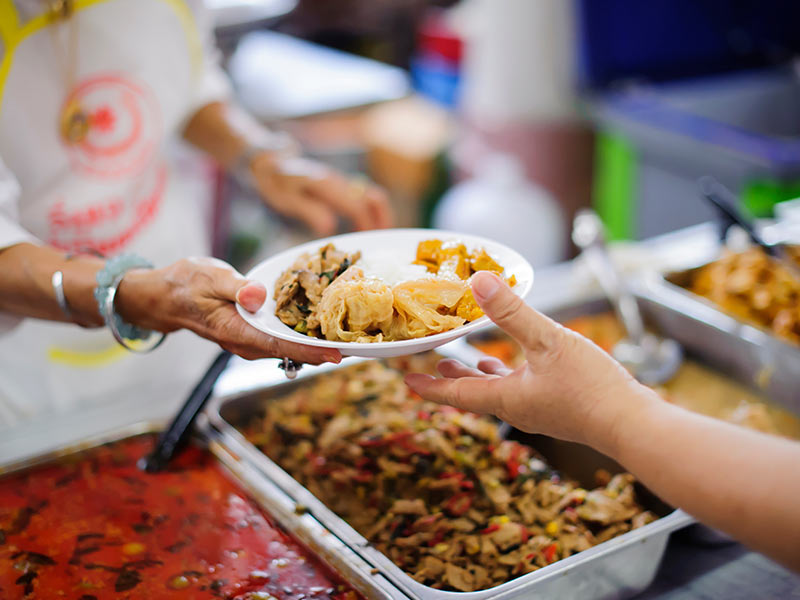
x=503 y=117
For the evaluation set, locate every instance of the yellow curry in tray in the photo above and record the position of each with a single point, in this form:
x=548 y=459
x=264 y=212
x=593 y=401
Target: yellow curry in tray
x=754 y=287
x=694 y=387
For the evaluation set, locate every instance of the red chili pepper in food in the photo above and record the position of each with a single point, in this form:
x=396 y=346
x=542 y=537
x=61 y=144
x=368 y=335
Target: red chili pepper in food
x=423 y=415
x=531 y=556
x=412 y=448
x=467 y=485
x=372 y=442
x=459 y=503
x=363 y=476
x=491 y=528
x=524 y=533
x=512 y=464
x=437 y=538
x=550 y=552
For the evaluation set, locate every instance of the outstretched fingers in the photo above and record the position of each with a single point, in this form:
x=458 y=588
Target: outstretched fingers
x=453 y=369
x=493 y=366
x=476 y=394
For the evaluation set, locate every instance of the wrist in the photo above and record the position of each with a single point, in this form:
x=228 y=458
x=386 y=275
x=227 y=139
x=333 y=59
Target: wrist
x=627 y=413
x=140 y=300
x=262 y=158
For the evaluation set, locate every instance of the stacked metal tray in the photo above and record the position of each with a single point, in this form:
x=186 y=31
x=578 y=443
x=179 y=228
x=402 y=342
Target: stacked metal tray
x=745 y=352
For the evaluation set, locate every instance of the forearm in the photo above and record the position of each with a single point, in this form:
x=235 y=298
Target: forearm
x=199 y=294
x=740 y=481
x=26 y=288
x=26 y=284
x=225 y=131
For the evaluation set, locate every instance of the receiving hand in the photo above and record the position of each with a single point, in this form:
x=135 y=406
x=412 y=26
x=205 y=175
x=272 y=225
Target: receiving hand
x=317 y=195
x=568 y=388
x=200 y=294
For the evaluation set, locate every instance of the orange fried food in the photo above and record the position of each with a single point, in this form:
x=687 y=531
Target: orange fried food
x=454 y=258
x=467 y=308
x=483 y=262
x=428 y=254
x=755 y=288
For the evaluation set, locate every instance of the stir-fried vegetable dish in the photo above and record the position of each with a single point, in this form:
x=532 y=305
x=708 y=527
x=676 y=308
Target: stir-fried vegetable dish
x=434 y=488
x=93 y=526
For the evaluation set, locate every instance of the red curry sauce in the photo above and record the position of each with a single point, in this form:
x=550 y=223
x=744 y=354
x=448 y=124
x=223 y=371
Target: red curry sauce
x=93 y=526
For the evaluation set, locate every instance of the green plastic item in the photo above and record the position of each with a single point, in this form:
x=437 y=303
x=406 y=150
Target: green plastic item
x=614 y=186
x=760 y=196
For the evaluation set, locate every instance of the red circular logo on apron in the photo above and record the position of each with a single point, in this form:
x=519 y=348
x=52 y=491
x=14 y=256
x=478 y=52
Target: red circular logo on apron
x=124 y=126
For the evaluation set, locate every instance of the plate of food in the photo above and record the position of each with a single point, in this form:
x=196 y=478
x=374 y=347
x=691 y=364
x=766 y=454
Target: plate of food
x=381 y=293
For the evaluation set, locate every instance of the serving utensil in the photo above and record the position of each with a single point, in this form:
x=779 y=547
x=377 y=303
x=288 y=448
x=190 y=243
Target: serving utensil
x=175 y=436
x=725 y=203
x=651 y=359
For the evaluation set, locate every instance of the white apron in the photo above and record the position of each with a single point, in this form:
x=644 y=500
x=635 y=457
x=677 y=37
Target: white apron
x=142 y=70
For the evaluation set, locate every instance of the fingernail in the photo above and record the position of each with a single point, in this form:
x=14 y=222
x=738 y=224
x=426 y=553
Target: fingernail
x=485 y=285
x=334 y=358
x=250 y=297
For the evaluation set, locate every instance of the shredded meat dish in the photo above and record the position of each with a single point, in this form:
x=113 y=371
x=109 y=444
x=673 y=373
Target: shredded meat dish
x=435 y=489
x=299 y=289
x=755 y=287
x=327 y=294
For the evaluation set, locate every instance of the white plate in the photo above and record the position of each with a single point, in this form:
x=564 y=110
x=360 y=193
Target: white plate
x=403 y=244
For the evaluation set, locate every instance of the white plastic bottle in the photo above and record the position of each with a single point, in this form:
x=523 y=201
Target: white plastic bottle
x=502 y=204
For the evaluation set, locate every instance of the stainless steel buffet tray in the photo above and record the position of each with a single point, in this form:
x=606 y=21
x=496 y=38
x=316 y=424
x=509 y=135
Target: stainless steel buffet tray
x=618 y=568
x=746 y=353
x=320 y=542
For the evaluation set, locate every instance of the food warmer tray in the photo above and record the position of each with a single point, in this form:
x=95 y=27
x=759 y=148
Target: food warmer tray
x=303 y=527
x=618 y=568
x=747 y=353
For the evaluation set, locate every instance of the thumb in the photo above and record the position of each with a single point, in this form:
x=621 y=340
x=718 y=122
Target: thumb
x=533 y=330
x=227 y=283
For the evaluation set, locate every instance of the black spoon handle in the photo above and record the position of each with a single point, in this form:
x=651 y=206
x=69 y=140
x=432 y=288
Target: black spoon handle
x=726 y=204
x=175 y=436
